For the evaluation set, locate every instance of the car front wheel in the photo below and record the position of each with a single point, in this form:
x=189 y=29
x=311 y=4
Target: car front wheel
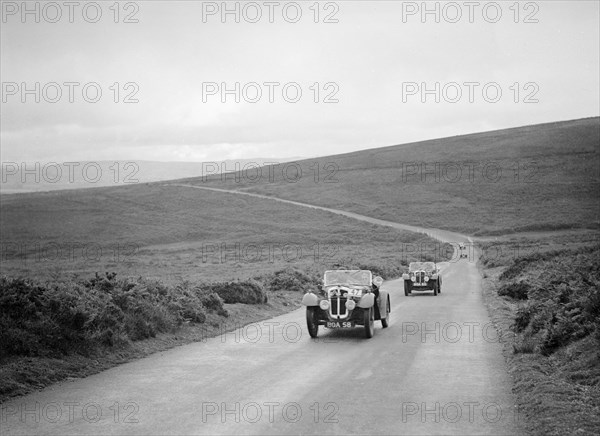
x=385 y=321
x=369 y=322
x=406 y=289
x=311 y=321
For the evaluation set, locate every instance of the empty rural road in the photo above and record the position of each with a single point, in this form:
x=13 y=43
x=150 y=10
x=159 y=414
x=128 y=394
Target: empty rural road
x=438 y=369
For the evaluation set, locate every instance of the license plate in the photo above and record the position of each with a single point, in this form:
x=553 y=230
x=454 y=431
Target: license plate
x=339 y=324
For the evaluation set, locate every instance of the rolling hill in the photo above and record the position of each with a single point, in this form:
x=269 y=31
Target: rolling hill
x=539 y=177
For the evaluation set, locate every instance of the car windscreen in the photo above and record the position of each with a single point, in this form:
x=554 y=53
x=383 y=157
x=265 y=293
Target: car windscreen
x=421 y=266
x=347 y=277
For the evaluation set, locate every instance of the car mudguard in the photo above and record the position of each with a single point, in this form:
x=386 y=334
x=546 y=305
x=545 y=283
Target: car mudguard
x=366 y=301
x=310 y=299
x=382 y=302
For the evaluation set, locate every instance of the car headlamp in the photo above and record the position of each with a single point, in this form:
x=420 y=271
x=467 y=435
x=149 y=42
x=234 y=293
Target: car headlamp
x=426 y=278
x=324 y=304
x=350 y=304
x=413 y=279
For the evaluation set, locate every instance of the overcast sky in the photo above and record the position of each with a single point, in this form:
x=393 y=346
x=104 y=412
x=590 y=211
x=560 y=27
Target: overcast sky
x=368 y=61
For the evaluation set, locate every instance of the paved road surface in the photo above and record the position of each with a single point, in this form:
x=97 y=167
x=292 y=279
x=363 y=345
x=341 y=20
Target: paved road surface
x=438 y=369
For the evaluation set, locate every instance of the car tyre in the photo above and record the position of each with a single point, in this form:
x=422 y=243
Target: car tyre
x=369 y=322
x=385 y=321
x=435 y=289
x=406 y=289
x=311 y=321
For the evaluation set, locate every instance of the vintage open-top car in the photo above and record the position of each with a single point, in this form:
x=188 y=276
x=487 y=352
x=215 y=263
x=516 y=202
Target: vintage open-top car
x=422 y=276
x=348 y=298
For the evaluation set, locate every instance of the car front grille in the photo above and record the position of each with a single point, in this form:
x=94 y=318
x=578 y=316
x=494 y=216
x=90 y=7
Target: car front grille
x=340 y=310
x=420 y=277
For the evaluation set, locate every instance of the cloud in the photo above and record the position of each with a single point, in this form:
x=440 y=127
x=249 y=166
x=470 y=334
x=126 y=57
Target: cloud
x=362 y=61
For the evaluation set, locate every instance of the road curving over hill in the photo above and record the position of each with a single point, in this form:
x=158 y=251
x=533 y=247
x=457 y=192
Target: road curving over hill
x=438 y=369
x=442 y=235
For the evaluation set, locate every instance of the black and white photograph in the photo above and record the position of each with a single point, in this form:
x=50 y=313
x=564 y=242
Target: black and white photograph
x=310 y=217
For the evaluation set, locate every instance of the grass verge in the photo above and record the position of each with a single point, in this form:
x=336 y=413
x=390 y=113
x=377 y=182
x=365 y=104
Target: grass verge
x=545 y=304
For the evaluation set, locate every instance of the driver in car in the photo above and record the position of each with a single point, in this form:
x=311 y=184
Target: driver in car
x=375 y=289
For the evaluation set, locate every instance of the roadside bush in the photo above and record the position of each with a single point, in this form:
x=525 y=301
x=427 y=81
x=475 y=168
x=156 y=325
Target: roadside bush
x=522 y=318
x=47 y=319
x=517 y=290
x=527 y=346
x=519 y=264
x=63 y=317
x=289 y=279
x=16 y=340
x=247 y=292
x=563 y=305
x=103 y=283
x=212 y=302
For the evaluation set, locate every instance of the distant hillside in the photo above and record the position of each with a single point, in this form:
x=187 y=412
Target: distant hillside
x=172 y=233
x=18 y=177
x=549 y=180
x=539 y=177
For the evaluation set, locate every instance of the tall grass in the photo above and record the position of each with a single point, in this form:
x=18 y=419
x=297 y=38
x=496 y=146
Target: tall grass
x=561 y=294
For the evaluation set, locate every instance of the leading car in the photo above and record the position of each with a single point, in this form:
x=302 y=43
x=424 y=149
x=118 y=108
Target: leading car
x=348 y=298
